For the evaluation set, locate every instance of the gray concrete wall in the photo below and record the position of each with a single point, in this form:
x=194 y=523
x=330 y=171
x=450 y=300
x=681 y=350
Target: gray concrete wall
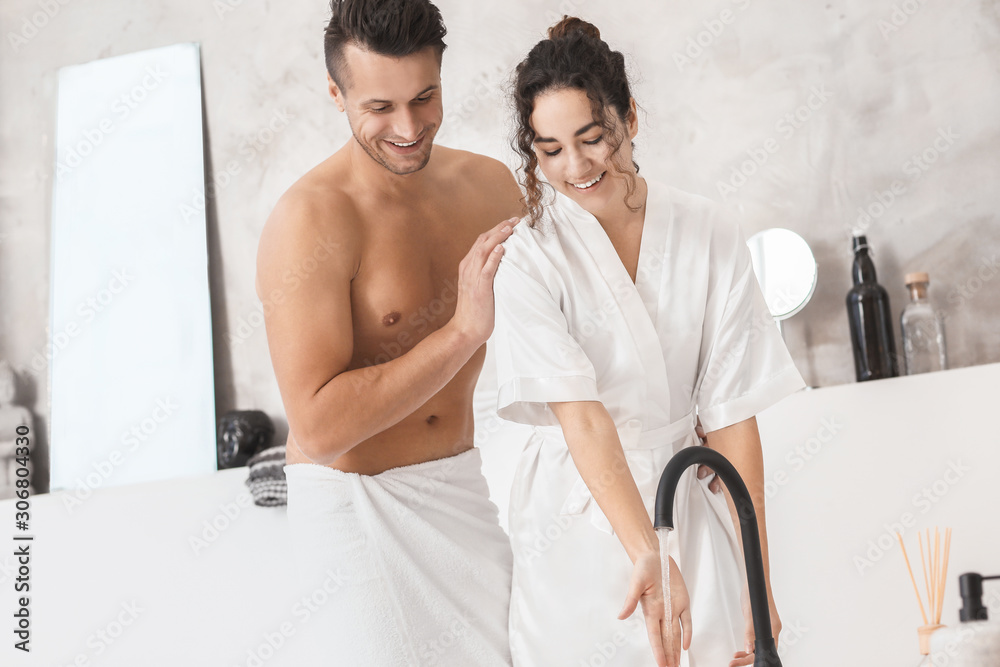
x=719 y=81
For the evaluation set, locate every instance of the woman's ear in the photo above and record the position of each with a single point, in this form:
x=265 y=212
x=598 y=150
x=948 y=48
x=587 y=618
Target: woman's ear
x=632 y=119
x=335 y=93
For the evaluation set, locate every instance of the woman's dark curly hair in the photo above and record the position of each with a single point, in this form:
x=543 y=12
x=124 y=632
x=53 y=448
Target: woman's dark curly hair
x=574 y=56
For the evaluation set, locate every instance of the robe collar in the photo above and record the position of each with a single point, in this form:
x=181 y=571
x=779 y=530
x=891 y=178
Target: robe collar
x=638 y=302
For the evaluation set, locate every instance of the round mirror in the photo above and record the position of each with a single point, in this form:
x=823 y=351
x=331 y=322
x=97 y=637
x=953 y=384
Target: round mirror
x=785 y=268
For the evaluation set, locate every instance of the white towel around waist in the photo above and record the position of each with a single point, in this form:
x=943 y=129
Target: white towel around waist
x=425 y=563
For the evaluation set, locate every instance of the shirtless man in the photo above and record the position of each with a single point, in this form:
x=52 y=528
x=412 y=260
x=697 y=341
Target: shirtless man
x=378 y=349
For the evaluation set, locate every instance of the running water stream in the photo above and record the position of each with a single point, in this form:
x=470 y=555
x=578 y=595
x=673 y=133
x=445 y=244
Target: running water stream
x=663 y=536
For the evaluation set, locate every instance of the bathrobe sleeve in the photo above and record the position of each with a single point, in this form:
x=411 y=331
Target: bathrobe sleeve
x=744 y=366
x=538 y=360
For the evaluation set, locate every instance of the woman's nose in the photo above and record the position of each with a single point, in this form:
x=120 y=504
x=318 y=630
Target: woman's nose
x=579 y=164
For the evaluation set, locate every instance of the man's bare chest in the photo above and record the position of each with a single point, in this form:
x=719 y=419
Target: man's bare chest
x=407 y=285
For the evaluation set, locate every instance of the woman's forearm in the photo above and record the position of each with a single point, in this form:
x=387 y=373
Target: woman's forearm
x=740 y=444
x=597 y=452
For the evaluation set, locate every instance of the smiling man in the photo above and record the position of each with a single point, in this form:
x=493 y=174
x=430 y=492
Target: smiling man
x=377 y=350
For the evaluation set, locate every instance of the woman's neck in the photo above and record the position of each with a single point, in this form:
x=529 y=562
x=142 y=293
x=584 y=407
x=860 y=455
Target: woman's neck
x=619 y=216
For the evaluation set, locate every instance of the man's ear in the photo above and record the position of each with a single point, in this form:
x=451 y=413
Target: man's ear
x=336 y=93
x=632 y=120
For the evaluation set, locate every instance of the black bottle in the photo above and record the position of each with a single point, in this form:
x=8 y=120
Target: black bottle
x=871 y=320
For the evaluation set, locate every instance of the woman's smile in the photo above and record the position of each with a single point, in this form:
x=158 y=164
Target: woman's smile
x=591 y=185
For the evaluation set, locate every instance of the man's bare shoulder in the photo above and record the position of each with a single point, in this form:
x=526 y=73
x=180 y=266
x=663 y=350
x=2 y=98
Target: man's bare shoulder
x=479 y=168
x=489 y=182
x=312 y=219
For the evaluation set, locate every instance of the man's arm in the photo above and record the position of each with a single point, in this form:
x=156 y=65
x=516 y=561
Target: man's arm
x=310 y=333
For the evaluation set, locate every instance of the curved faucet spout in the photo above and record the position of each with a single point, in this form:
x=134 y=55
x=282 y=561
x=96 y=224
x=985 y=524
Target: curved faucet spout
x=765 y=652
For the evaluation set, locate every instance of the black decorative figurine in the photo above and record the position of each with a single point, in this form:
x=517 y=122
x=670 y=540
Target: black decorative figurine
x=242 y=433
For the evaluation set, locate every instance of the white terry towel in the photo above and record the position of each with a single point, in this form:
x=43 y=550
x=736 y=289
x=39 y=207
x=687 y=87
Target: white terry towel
x=421 y=566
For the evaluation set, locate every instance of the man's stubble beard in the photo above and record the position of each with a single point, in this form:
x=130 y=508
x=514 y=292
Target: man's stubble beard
x=377 y=157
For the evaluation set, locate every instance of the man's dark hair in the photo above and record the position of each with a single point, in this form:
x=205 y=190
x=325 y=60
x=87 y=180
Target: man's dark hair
x=394 y=28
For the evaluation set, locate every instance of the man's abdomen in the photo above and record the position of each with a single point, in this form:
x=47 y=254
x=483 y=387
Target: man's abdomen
x=426 y=435
x=442 y=427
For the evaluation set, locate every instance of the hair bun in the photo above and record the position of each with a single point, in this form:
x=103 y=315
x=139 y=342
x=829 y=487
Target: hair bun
x=571 y=24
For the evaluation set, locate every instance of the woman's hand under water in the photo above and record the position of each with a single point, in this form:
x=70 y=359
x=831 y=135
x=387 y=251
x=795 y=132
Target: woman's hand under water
x=646 y=587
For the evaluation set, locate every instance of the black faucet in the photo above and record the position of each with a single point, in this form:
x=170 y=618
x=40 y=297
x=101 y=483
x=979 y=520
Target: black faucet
x=765 y=652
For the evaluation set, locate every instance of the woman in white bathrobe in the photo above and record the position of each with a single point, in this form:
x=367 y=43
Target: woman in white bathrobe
x=626 y=311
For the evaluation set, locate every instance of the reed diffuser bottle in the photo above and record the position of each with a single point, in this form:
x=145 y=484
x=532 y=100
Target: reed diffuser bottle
x=922 y=329
x=870 y=319
x=935 y=571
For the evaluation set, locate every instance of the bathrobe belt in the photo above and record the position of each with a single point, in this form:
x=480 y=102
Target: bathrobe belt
x=641 y=453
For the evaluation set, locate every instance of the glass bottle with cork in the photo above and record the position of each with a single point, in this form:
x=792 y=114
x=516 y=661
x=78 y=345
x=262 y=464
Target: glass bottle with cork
x=922 y=327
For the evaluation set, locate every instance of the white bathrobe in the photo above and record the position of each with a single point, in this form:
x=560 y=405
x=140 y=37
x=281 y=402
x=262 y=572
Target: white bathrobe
x=692 y=336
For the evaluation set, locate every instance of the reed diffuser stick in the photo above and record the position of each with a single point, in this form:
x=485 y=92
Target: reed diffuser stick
x=930 y=568
x=915 y=589
x=936 y=577
x=923 y=564
x=944 y=570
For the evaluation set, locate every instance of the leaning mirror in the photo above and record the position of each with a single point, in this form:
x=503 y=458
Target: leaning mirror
x=786 y=270
x=130 y=329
